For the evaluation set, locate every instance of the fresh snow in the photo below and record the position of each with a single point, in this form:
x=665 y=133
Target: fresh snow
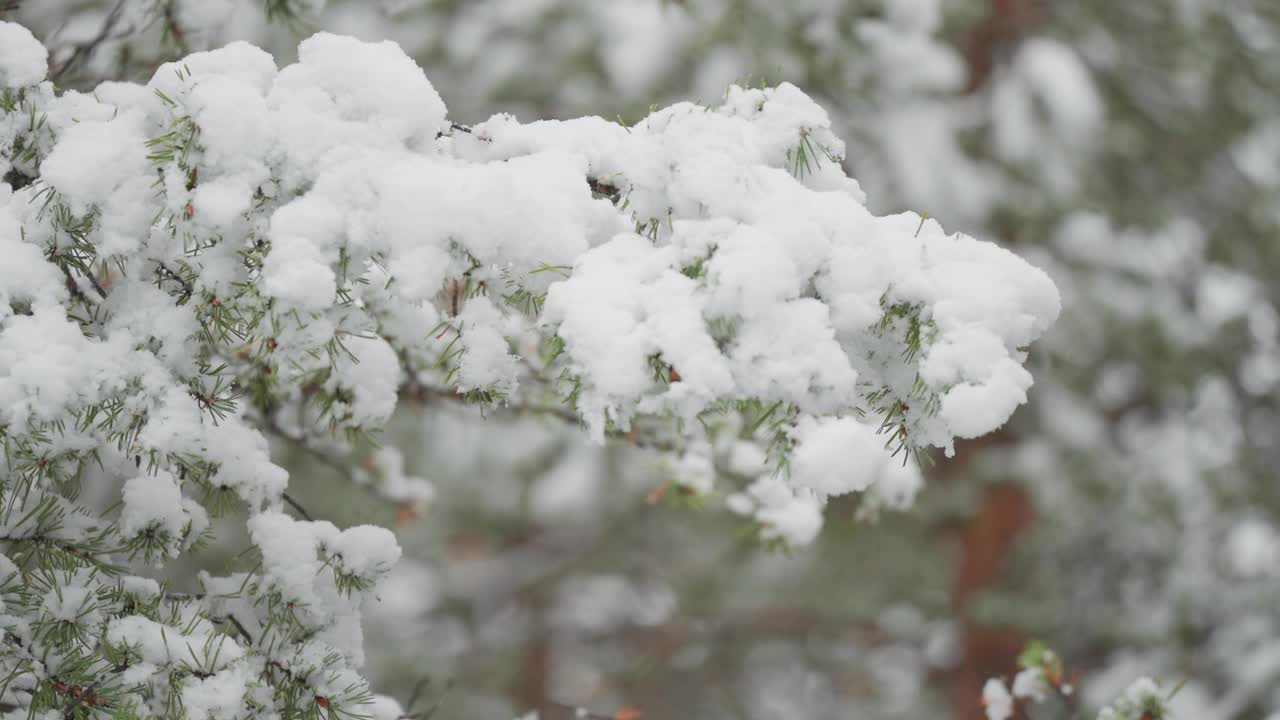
x=236 y=248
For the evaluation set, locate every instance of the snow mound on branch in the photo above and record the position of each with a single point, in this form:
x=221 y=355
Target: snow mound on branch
x=23 y=60
x=744 y=213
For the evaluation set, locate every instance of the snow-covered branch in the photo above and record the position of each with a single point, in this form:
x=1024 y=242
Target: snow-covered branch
x=235 y=250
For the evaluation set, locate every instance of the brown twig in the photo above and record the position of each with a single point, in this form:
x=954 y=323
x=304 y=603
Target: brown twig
x=85 y=49
x=298 y=507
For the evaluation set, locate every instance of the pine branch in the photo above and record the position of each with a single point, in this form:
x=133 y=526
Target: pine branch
x=76 y=699
x=86 y=49
x=240 y=628
x=173 y=30
x=83 y=553
x=298 y=507
x=74 y=287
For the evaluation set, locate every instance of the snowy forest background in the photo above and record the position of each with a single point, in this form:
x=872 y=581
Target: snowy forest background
x=1128 y=515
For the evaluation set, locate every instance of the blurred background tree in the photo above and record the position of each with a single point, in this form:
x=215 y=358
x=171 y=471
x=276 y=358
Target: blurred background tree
x=1130 y=515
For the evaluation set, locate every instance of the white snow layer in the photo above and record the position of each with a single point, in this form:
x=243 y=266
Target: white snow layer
x=355 y=241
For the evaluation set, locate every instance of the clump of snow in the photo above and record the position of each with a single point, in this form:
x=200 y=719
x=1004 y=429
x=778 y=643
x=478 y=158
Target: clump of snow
x=117 y=148
x=159 y=645
x=294 y=552
x=486 y=360
x=694 y=471
x=298 y=273
x=154 y=503
x=791 y=516
x=375 y=84
x=370 y=371
x=383 y=707
x=996 y=700
x=1030 y=684
x=23 y=59
x=1141 y=698
x=836 y=456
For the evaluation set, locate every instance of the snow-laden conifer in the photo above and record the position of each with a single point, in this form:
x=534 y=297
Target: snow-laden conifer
x=236 y=251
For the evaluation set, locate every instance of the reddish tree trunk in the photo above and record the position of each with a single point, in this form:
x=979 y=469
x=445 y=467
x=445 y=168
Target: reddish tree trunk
x=1006 y=23
x=1004 y=513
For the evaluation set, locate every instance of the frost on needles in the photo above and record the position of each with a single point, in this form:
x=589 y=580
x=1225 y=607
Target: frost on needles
x=236 y=250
